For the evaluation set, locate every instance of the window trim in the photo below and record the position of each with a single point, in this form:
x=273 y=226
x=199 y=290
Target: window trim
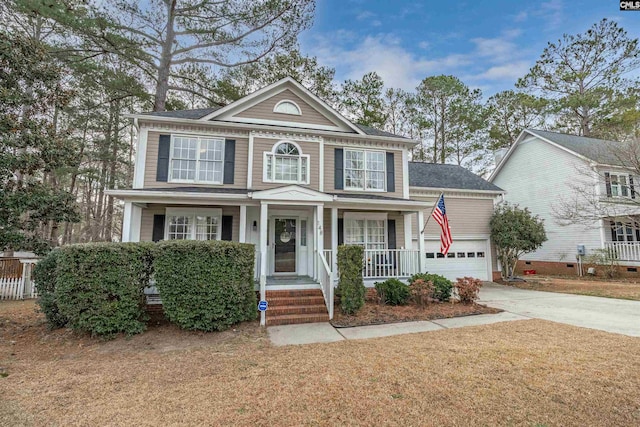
x=300 y=156
x=374 y=216
x=197 y=171
x=275 y=107
x=364 y=188
x=192 y=213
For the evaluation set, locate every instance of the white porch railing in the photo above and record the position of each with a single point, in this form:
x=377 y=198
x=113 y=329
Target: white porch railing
x=624 y=251
x=328 y=255
x=384 y=263
x=325 y=277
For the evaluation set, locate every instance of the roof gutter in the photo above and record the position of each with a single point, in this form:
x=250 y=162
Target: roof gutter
x=156 y=119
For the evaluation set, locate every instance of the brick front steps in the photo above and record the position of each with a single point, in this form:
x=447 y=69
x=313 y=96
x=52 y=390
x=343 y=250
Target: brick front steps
x=296 y=306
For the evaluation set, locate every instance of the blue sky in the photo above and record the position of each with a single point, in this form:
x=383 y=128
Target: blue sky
x=487 y=44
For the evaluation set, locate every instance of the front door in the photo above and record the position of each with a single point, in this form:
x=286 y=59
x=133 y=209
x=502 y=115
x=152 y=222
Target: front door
x=284 y=245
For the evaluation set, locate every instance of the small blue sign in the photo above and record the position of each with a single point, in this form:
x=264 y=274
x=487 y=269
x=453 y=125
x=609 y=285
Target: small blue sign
x=262 y=305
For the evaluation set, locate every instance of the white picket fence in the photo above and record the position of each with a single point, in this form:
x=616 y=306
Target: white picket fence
x=18 y=287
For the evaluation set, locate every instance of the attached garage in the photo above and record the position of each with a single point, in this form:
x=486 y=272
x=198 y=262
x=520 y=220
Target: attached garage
x=465 y=258
x=469 y=203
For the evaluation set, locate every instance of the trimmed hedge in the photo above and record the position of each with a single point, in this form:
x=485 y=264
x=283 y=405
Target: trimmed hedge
x=351 y=284
x=206 y=285
x=442 y=287
x=99 y=286
x=393 y=292
x=44 y=275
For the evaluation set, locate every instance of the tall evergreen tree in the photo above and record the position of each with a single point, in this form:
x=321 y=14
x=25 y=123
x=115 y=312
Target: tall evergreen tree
x=35 y=146
x=584 y=74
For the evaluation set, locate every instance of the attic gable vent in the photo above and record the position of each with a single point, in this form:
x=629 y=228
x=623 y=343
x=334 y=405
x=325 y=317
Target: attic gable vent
x=287 y=107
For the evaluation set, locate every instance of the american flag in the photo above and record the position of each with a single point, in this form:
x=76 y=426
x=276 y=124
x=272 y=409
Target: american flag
x=440 y=215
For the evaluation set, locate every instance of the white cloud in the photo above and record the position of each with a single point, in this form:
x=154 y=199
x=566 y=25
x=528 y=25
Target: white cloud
x=398 y=67
x=521 y=17
x=511 y=71
x=424 y=45
x=364 y=15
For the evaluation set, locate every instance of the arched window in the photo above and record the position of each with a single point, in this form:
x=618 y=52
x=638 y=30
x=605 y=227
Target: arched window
x=287 y=107
x=286 y=163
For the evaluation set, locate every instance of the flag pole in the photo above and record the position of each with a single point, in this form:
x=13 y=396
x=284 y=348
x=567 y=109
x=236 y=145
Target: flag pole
x=431 y=214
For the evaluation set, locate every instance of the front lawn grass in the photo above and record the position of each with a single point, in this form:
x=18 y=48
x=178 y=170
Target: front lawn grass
x=527 y=373
x=582 y=286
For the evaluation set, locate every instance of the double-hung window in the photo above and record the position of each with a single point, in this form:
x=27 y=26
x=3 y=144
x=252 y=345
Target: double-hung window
x=366 y=230
x=196 y=159
x=626 y=232
x=193 y=224
x=364 y=170
x=285 y=163
x=619 y=185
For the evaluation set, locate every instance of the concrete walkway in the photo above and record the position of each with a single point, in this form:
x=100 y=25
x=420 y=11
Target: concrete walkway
x=323 y=332
x=606 y=314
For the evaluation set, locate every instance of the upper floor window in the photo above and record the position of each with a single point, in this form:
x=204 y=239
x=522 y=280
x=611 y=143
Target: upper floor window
x=196 y=159
x=287 y=107
x=286 y=163
x=364 y=170
x=619 y=185
x=193 y=224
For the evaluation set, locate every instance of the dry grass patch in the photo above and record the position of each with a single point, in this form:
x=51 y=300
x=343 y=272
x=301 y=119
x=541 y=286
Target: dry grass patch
x=582 y=286
x=515 y=373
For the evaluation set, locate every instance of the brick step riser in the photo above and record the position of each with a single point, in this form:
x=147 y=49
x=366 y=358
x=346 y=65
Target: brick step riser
x=280 y=302
x=294 y=293
x=274 y=321
x=307 y=309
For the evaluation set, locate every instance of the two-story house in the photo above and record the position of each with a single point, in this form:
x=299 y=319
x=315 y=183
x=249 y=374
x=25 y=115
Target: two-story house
x=583 y=189
x=284 y=171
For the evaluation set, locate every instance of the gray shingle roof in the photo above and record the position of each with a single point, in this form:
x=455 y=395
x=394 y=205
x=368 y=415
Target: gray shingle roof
x=437 y=175
x=376 y=132
x=366 y=196
x=195 y=114
x=200 y=190
x=598 y=150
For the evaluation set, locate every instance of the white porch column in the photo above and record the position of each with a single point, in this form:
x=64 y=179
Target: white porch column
x=408 y=220
x=320 y=228
x=263 y=257
x=131 y=221
x=421 y=250
x=314 y=273
x=243 y=224
x=334 y=242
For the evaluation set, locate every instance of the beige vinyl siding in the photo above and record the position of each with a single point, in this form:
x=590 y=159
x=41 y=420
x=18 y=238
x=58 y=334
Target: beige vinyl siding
x=146 y=225
x=264 y=111
x=467 y=217
x=329 y=172
x=262 y=145
x=240 y=168
x=398 y=217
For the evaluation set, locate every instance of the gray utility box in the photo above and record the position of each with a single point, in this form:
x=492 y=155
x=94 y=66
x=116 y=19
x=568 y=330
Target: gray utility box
x=582 y=251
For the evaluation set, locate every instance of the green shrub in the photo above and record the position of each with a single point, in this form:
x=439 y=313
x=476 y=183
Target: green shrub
x=468 y=289
x=442 y=286
x=206 y=285
x=393 y=292
x=99 y=286
x=421 y=292
x=44 y=275
x=351 y=285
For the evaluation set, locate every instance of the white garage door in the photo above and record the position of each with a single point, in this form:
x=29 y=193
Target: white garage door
x=465 y=258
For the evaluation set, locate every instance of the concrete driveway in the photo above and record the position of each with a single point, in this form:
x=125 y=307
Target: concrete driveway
x=606 y=314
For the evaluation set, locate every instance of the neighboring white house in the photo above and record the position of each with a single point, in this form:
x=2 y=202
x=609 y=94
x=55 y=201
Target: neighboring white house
x=544 y=171
x=282 y=170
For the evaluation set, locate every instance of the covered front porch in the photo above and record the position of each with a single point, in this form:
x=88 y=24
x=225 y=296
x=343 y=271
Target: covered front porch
x=296 y=231
x=623 y=241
